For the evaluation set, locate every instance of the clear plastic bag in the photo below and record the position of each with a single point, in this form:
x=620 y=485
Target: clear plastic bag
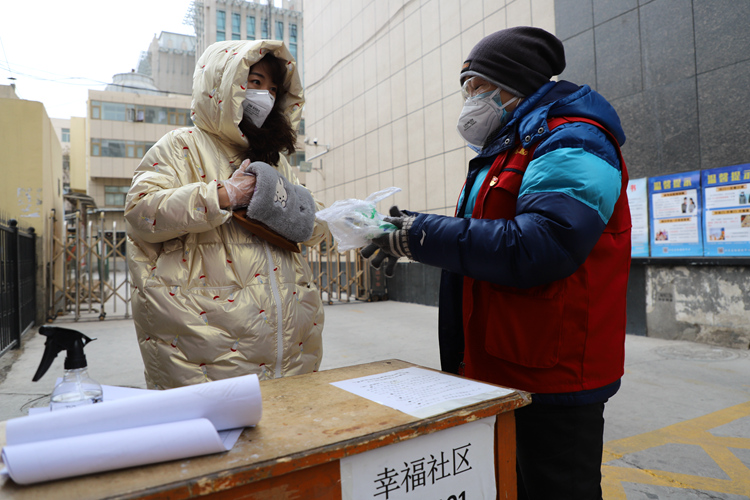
x=353 y=223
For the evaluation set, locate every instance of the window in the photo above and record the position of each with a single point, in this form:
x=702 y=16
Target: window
x=264 y=29
x=96 y=110
x=115 y=195
x=221 y=25
x=250 y=27
x=296 y=158
x=301 y=128
x=235 y=27
x=111 y=148
x=65 y=135
x=279 y=30
x=293 y=40
x=116 y=111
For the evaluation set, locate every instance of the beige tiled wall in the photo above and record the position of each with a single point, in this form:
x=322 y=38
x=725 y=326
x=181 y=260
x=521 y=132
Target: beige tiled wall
x=382 y=91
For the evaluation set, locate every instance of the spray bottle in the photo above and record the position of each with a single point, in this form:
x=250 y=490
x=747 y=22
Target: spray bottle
x=76 y=387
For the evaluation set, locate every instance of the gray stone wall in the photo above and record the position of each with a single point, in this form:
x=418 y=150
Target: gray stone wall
x=676 y=71
x=702 y=304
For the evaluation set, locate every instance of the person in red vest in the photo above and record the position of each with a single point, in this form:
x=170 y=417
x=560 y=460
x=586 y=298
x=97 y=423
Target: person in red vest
x=536 y=258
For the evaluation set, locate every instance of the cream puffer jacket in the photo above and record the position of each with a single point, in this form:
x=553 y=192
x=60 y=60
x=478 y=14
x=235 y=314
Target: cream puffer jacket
x=210 y=300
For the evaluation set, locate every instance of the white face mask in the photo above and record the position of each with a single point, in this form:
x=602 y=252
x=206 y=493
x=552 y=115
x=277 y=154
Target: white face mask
x=257 y=105
x=481 y=116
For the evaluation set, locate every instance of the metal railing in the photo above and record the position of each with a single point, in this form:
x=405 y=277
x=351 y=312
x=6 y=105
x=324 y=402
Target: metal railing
x=341 y=276
x=17 y=284
x=91 y=257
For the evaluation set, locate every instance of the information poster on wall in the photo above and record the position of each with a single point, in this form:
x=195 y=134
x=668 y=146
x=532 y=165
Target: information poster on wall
x=638 y=201
x=676 y=217
x=726 y=192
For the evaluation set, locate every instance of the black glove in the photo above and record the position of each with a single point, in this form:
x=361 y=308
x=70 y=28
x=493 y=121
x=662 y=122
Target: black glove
x=391 y=245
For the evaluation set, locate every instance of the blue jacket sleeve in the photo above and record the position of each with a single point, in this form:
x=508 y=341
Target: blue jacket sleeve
x=567 y=196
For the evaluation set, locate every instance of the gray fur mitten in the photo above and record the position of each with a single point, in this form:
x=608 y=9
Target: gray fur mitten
x=286 y=208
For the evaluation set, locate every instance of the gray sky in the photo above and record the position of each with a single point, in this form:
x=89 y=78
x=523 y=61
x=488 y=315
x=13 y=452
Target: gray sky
x=57 y=50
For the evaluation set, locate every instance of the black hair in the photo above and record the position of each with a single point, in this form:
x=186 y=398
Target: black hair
x=276 y=135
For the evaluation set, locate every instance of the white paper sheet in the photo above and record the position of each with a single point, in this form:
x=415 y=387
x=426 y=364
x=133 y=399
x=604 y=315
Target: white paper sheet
x=145 y=428
x=419 y=392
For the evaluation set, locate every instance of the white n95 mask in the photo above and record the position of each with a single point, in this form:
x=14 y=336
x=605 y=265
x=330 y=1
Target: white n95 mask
x=481 y=116
x=257 y=105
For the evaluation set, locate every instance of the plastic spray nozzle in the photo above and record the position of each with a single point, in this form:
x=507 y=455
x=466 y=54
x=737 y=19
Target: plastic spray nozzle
x=58 y=339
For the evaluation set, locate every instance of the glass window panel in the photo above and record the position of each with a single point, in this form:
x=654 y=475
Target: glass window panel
x=264 y=29
x=221 y=20
x=95 y=149
x=114 y=199
x=293 y=40
x=113 y=149
x=250 y=27
x=235 y=26
x=113 y=111
x=279 y=30
x=65 y=135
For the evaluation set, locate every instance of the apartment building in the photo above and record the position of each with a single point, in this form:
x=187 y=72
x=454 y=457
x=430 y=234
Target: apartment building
x=218 y=20
x=170 y=62
x=123 y=122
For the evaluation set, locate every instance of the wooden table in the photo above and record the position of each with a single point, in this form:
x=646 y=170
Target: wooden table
x=307 y=426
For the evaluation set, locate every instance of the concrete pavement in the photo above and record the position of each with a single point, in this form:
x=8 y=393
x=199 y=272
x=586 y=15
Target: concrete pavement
x=678 y=429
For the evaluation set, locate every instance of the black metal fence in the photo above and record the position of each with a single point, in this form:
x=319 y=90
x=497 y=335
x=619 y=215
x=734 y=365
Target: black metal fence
x=17 y=283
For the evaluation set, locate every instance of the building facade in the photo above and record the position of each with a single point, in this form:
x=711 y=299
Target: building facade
x=383 y=99
x=170 y=62
x=383 y=93
x=218 y=20
x=32 y=191
x=62 y=131
x=120 y=127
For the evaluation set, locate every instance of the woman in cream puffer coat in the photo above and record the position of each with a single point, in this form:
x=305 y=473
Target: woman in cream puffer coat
x=210 y=299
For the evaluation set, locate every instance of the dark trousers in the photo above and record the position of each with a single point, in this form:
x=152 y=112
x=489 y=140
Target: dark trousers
x=559 y=452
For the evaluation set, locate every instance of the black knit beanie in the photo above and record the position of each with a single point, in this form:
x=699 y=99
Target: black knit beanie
x=519 y=60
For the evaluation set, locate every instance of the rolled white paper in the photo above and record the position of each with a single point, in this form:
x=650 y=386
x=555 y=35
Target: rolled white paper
x=149 y=428
x=228 y=404
x=74 y=456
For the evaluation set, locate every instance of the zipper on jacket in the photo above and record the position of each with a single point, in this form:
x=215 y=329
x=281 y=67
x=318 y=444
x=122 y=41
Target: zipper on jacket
x=279 y=313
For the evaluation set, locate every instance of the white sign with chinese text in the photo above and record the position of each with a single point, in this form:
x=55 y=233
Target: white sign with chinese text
x=453 y=464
